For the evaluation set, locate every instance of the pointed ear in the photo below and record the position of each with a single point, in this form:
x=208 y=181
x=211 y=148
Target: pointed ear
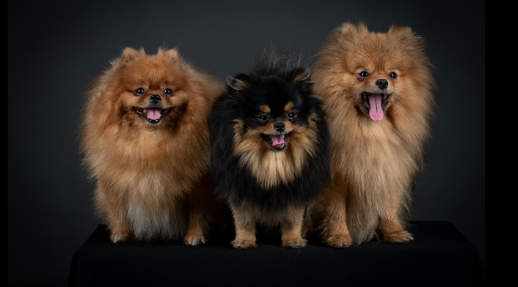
x=400 y=31
x=171 y=53
x=346 y=28
x=406 y=35
x=238 y=83
x=349 y=28
x=130 y=54
x=300 y=75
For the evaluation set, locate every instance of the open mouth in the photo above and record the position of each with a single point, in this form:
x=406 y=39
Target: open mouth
x=277 y=142
x=151 y=115
x=375 y=104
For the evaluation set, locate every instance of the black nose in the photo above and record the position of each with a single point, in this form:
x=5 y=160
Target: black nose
x=382 y=83
x=279 y=127
x=155 y=99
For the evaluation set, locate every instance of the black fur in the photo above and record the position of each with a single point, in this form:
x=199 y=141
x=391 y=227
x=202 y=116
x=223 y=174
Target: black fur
x=270 y=82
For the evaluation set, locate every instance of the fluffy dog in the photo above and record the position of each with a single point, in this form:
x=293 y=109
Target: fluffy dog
x=145 y=140
x=270 y=148
x=377 y=94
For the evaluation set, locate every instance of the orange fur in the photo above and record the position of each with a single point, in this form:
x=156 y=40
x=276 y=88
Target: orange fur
x=152 y=179
x=374 y=163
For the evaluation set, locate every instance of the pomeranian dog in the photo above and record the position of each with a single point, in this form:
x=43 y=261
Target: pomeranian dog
x=146 y=143
x=270 y=148
x=377 y=94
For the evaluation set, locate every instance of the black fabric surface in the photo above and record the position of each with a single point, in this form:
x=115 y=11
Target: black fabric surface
x=439 y=256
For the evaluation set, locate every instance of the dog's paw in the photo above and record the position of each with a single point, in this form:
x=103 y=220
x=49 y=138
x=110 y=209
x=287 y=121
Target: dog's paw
x=339 y=241
x=400 y=236
x=294 y=243
x=193 y=239
x=120 y=236
x=243 y=244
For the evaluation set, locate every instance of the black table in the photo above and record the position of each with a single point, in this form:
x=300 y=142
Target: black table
x=439 y=256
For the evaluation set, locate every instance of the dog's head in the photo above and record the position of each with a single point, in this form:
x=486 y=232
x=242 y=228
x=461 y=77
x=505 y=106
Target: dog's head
x=274 y=109
x=373 y=71
x=277 y=124
x=148 y=91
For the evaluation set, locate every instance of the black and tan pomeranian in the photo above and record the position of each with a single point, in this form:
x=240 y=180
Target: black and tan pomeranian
x=270 y=148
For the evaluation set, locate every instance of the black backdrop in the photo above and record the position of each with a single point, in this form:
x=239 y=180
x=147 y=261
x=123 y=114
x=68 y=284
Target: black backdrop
x=57 y=48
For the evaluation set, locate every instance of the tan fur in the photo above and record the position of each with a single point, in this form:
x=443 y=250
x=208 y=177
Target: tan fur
x=270 y=167
x=264 y=109
x=151 y=179
x=374 y=163
x=288 y=106
x=290 y=219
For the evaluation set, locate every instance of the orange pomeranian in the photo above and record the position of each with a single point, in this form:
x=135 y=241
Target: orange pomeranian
x=377 y=94
x=145 y=139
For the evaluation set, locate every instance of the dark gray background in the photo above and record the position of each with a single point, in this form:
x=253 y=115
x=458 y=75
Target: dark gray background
x=57 y=48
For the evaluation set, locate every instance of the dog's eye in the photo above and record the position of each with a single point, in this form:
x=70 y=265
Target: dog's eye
x=263 y=118
x=168 y=91
x=363 y=74
x=393 y=75
x=291 y=116
x=139 y=91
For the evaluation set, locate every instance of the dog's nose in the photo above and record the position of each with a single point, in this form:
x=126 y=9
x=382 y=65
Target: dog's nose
x=155 y=99
x=382 y=83
x=279 y=127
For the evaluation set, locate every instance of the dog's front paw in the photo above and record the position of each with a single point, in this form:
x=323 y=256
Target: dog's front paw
x=243 y=244
x=339 y=241
x=294 y=243
x=194 y=239
x=400 y=236
x=120 y=236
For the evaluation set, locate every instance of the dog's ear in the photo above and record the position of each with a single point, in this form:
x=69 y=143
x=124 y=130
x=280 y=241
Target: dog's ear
x=346 y=28
x=238 y=83
x=408 y=38
x=349 y=28
x=402 y=32
x=130 y=54
x=300 y=75
x=171 y=53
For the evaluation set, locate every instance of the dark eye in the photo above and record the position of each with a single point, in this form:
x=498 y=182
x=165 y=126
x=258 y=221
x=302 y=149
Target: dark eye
x=139 y=91
x=263 y=118
x=393 y=75
x=363 y=74
x=168 y=91
x=291 y=116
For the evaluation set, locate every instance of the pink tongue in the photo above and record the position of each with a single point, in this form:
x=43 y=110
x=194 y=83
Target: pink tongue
x=277 y=140
x=153 y=114
x=376 y=112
